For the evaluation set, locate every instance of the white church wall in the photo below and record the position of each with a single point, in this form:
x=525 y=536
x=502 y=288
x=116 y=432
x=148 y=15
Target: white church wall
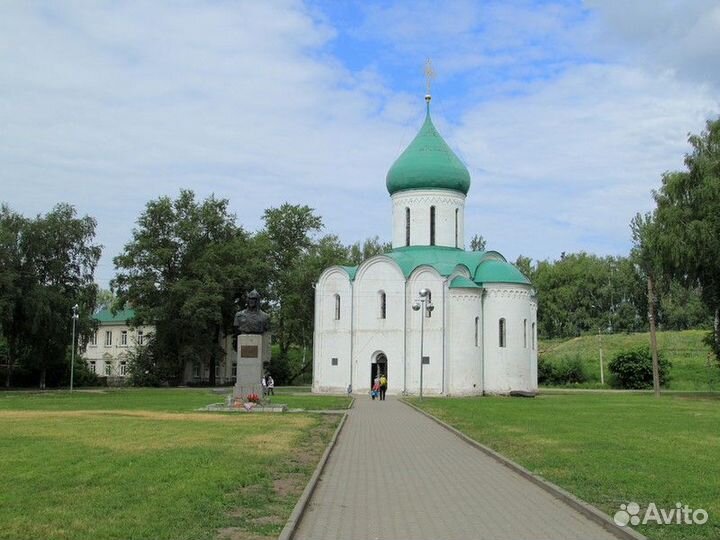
x=428 y=278
x=374 y=334
x=533 y=344
x=419 y=201
x=513 y=366
x=464 y=331
x=333 y=334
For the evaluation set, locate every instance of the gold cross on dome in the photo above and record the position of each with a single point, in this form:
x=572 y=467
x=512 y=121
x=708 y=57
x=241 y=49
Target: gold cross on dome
x=429 y=74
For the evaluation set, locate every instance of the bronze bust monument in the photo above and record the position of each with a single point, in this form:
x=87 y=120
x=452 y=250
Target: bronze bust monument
x=252 y=320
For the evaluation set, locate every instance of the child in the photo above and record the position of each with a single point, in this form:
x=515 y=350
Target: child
x=375 y=388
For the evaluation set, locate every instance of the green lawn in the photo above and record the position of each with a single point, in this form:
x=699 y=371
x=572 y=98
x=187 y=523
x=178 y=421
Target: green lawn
x=142 y=464
x=691 y=368
x=607 y=449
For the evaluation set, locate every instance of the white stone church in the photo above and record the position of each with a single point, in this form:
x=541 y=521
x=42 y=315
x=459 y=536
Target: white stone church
x=481 y=336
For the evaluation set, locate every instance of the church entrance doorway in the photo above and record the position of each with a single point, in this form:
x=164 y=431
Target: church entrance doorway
x=378 y=367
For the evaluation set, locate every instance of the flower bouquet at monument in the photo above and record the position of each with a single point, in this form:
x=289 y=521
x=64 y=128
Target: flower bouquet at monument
x=253 y=398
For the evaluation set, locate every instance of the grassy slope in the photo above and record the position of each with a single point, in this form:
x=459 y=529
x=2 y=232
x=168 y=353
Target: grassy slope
x=140 y=464
x=608 y=449
x=691 y=369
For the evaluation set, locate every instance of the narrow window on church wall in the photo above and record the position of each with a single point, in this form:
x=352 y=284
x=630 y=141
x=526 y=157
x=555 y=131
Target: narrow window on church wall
x=502 y=330
x=432 y=225
x=533 y=336
x=407 y=226
x=525 y=333
x=383 y=304
x=456 y=227
x=337 y=307
x=477 y=331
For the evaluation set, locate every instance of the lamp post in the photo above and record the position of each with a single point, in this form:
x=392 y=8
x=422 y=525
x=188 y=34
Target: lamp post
x=72 y=354
x=602 y=369
x=423 y=301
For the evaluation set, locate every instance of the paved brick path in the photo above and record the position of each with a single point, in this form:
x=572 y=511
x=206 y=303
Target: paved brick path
x=395 y=474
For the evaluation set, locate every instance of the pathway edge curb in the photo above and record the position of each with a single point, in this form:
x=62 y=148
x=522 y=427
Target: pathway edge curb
x=300 y=507
x=578 y=504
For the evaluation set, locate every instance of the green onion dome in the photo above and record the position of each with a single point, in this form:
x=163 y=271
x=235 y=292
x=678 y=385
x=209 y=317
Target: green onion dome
x=428 y=163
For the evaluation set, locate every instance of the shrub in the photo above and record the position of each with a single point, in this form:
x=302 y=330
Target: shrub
x=632 y=369
x=143 y=369
x=568 y=370
x=546 y=371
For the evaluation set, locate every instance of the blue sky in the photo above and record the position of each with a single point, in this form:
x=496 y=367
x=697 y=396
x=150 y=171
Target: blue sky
x=566 y=113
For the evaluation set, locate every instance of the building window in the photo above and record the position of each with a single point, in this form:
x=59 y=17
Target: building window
x=196 y=371
x=93 y=339
x=432 y=225
x=502 y=332
x=525 y=336
x=123 y=338
x=337 y=307
x=234 y=369
x=456 y=227
x=93 y=366
x=334 y=361
x=108 y=368
x=383 y=304
x=108 y=338
x=140 y=337
x=533 y=336
x=123 y=369
x=407 y=226
x=477 y=331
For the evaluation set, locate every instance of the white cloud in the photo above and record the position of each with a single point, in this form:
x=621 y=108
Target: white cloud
x=667 y=34
x=566 y=166
x=109 y=105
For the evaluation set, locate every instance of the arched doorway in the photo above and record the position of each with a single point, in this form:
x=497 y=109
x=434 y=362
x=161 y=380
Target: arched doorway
x=379 y=366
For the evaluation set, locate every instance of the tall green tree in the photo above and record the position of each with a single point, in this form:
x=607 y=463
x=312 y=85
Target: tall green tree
x=688 y=222
x=645 y=252
x=361 y=251
x=478 y=243
x=291 y=231
x=48 y=265
x=182 y=272
x=581 y=293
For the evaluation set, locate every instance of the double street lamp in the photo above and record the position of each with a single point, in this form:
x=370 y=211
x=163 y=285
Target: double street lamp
x=75 y=316
x=424 y=302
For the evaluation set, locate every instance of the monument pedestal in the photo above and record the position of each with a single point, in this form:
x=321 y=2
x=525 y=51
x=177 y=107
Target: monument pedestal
x=252 y=352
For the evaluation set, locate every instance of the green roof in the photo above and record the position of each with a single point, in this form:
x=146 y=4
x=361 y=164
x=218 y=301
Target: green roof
x=461 y=282
x=351 y=271
x=428 y=163
x=484 y=266
x=494 y=271
x=105 y=315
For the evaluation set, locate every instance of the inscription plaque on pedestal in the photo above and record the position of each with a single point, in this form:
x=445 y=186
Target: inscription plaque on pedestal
x=249 y=351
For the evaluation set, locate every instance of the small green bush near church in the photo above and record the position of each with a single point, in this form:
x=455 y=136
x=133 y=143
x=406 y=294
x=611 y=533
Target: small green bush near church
x=632 y=369
x=569 y=370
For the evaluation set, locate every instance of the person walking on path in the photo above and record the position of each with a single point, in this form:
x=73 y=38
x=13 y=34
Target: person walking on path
x=383 y=386
x=270 y=385
x=375 y=388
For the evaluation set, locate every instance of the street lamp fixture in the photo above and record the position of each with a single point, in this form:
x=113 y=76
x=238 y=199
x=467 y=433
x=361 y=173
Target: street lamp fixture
x=75 y=316
x=424 y=303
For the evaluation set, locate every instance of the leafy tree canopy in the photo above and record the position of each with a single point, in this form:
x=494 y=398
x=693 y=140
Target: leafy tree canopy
x=47 y=266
